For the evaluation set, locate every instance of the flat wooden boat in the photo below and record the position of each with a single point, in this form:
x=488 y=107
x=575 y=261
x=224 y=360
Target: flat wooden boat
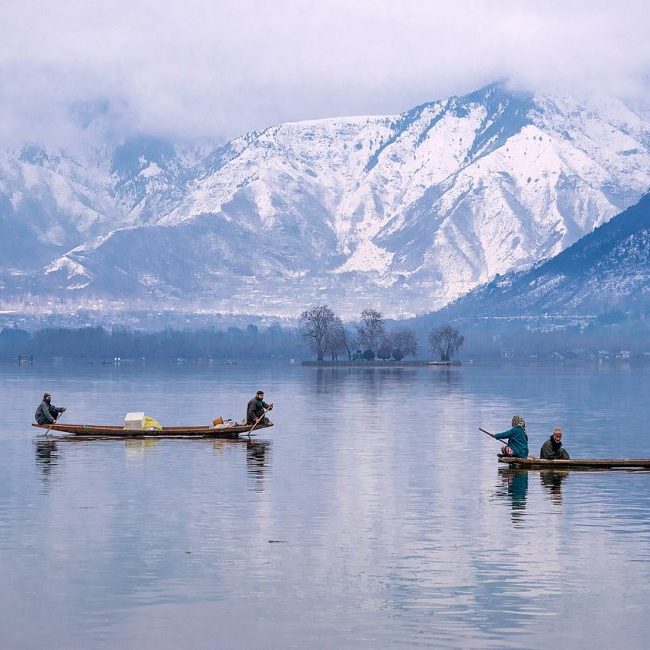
x=109 y=431
x=577 y=463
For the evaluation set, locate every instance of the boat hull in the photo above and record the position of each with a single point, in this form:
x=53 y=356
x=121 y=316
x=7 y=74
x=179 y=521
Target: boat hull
x=577 y=463
x=108 y=431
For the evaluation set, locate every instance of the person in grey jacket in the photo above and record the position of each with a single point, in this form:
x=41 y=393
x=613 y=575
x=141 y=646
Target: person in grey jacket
x=47 y=413
x=256 y=409
x=552 y=449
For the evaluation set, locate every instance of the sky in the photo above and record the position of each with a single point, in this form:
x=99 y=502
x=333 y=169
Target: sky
x=214 y=69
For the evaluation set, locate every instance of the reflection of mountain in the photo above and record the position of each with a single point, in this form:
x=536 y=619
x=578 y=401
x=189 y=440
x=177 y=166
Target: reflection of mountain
x=405 y=211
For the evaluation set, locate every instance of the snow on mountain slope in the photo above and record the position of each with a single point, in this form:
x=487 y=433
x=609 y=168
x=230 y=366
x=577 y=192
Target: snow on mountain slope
x=607 y=269
x=51 y=202
x=404 y=213
x=47 y=204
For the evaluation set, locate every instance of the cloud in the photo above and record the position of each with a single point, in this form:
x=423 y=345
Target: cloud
x=217 y=69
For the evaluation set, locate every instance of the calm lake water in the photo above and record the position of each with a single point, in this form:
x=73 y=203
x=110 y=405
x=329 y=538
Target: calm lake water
x=373 y=515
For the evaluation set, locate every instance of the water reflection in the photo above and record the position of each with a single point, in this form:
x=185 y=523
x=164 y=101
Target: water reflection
x=446 y=376
x=257 y=457
x=370 y=380
x=552 y=480
x=326 y=378
x=257 y=461
x=515 y=482
x=47 y=456
x=377 y=481
x=136 y=448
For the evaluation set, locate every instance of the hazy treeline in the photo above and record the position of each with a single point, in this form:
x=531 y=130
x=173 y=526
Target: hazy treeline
x=488 y=339
x=494 y=340
x=99 y=343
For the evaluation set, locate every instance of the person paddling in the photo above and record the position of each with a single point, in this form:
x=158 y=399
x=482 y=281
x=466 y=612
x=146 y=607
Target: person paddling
x=47 y=413
x=256 y=409
x=552 y=449
x=516 y=437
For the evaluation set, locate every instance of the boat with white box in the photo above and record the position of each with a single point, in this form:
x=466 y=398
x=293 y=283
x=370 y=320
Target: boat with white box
x=137 y=425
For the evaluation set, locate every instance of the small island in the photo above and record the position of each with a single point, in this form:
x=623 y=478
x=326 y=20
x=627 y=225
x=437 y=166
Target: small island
x=370 y=343
x=378 y=363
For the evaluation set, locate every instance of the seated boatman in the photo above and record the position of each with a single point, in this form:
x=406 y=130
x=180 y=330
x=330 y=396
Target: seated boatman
x=517 y=438
x=47 y=413
x=256 y=409
x=552 y=449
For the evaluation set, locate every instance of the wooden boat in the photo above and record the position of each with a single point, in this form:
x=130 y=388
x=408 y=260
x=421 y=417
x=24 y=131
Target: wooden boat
x=109 y=431
x=577 y=463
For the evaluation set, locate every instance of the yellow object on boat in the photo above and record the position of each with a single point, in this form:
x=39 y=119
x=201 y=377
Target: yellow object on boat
x=152 y=423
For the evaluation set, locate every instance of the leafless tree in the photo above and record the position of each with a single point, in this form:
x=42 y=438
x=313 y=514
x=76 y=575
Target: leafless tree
x=372 y=329
x=336 y=340
x=351 y=341
x=317 y=323
x=385 y=347
x=446 y=341
x=403 y=344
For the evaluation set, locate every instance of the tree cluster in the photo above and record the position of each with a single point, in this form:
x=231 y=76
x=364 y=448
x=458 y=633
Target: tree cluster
x=446 y=341
x=398 y=344
x=327 y=335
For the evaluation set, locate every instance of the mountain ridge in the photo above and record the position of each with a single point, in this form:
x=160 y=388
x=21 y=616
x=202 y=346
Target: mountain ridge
x=606 y=270
x=404 y=213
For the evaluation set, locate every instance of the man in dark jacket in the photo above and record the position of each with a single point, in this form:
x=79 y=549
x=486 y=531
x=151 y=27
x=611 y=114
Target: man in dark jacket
x=517 y=438
x=552 y=449
x=256 y=409
x=47 y=413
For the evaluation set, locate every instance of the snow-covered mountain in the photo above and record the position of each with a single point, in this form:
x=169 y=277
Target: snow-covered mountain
x=606 y=270
x=403 y=213
x=52 y=202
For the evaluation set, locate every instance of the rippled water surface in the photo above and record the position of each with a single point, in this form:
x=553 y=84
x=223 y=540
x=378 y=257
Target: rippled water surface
x=374 y=513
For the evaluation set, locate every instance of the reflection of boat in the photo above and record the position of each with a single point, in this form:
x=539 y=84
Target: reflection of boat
x=256 y=456
x=47 y=455
x=577 y=463
x=552 y=480
x=107 y=431
x=515 y=482
x=137 y=445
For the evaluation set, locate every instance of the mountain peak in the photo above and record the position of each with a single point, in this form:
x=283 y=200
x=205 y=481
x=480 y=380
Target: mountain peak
x=496 y=92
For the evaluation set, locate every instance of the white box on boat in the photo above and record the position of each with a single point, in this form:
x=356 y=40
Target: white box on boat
x=134 y=421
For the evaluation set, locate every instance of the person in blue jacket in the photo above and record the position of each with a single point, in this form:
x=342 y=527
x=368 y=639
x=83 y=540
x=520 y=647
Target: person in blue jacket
x=516 y=437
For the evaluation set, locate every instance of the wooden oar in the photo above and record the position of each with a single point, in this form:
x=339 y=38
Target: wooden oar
x=259 y=419
x=53 y=423
x=492 y=436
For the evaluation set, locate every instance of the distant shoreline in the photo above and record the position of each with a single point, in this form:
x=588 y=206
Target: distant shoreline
x=378 y=363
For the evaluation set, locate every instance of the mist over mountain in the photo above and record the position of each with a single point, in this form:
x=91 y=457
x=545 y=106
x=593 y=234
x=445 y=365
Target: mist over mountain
x=403 y=213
